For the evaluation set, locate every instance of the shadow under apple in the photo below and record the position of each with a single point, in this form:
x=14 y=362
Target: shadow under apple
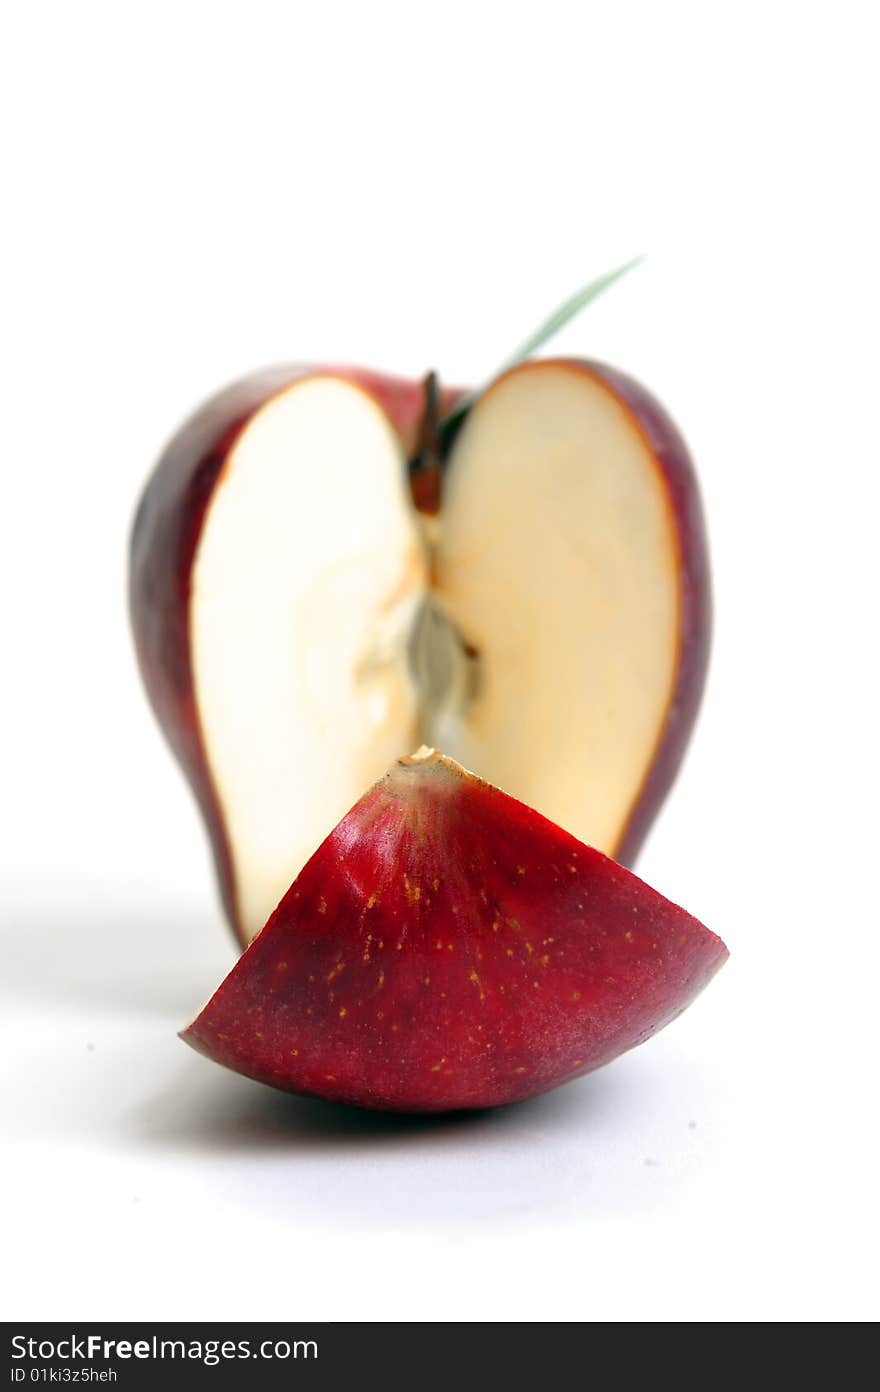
x=301 y=1161
x=211 y=1110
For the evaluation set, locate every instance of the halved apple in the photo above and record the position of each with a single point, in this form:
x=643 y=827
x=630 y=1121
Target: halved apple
x=447 y=947
x=323 y=576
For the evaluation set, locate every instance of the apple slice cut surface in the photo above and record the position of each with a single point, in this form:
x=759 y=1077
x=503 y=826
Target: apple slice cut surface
x=558 y=563
x=306 y=580
x=537 y=628
x=447 y=947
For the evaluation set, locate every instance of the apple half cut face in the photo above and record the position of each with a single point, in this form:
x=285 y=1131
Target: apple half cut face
x=301 y=619
x=447 y=947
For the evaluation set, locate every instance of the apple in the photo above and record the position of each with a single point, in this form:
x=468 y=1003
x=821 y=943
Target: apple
x=447 y=947
x=329 y=567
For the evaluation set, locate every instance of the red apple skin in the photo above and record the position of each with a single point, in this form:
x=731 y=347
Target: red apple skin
x=448 y=948
x=172 y=511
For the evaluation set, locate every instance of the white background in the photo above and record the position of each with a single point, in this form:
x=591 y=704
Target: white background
x=194 y=190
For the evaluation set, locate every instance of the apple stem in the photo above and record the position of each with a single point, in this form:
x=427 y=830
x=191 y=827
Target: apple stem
x=425 y=468
x=561 y=316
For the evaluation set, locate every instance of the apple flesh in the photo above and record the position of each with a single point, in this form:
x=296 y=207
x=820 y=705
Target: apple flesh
x=304 y=606
x=447 y=947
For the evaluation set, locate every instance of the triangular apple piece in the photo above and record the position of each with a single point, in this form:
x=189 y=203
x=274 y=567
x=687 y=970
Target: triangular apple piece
x=447 y=947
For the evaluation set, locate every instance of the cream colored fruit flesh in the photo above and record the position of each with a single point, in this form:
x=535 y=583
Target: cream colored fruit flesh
x=530 y=631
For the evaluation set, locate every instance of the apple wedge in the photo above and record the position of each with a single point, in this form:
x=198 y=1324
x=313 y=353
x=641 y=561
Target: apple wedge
x=446 y=948
x=324 y=573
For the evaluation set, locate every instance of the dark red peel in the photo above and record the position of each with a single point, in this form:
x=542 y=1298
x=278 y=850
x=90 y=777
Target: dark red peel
x=447 y=947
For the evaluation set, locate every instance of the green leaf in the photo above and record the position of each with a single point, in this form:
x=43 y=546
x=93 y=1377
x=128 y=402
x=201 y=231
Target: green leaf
x=556 y=321
x=567 y=311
